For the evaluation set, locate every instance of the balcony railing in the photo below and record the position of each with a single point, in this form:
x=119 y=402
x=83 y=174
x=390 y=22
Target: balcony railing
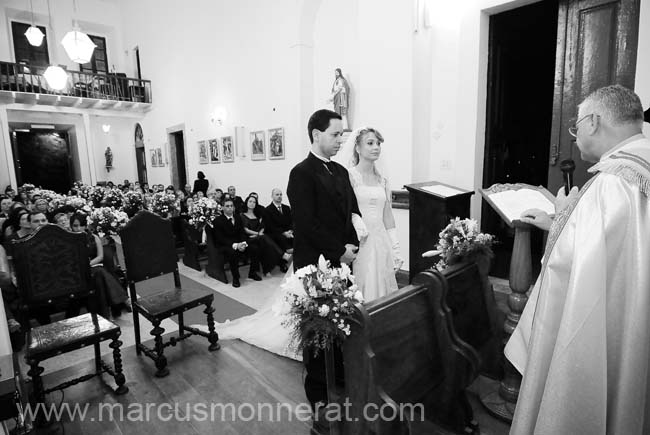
x=20 y=77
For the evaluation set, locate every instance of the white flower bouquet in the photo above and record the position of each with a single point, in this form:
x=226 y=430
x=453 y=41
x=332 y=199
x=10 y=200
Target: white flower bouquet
x=132 y=203
x=321 y=303
x=107 y=221
x=113 y=198
x=461 y=239
x=164 y=204
x=203 y=212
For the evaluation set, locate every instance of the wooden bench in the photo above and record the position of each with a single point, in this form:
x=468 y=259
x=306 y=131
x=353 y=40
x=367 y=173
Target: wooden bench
x=417 y=346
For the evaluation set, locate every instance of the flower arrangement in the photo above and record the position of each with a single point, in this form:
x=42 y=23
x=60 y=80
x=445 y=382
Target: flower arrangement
x=106 y=221
x=96 y=195
x=84 y=191
x=132 y=203
x=320 y=305
x=203 y=212
x=163 y=204
x=461 y=239
x=113 y=198
x=27 y=187
x=78 y=203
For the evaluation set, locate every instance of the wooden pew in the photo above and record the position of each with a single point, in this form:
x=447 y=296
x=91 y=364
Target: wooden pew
x=417 y=346
x=193 y=251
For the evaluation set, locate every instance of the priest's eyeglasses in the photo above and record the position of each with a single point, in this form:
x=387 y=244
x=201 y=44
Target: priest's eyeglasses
x=573 y=129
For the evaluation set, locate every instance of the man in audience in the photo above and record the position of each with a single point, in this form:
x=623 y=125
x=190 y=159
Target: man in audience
x=37 y=219
x=278 y=225
x=583 y=340
x=240 y=207
x=230 y=239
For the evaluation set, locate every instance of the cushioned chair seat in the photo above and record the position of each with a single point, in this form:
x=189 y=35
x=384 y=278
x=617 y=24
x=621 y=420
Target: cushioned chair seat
x=164 y=303
x=68 y=334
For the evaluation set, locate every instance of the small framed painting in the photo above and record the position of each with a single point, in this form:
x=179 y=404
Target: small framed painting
x=215 y=155
x=159 y=157
x=258 y=151
x=228 y=152
x=154 y=157
x=203 y=152
x=276 y=143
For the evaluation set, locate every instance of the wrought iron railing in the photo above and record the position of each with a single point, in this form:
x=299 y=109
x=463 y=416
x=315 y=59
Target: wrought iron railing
x=21 y=77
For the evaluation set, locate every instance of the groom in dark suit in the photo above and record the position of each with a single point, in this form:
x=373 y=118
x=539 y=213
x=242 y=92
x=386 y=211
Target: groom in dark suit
x=323 y=203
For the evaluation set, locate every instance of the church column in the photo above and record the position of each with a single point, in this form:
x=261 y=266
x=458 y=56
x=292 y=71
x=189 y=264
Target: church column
x=9 y=154
x=90 y=149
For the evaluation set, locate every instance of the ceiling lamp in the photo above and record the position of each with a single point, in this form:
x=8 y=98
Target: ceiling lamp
x=56 y=77
x=78 y=45
x=34 y=34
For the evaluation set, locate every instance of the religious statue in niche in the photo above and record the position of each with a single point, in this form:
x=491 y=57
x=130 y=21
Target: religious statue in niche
x=108 y=155
x=340 y=97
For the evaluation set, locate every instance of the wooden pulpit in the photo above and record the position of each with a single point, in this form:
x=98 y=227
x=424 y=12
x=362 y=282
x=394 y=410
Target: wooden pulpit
x=431 y=206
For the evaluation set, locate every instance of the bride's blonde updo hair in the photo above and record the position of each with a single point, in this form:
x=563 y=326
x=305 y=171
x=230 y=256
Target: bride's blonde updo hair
x=357 y=142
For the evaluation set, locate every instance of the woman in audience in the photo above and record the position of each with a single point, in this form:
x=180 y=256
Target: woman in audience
x=110 y=292
x=270 y=253
x=62 y=220
x=20 y=227
x=170 y=190
x=201 y=184
x=218 y=196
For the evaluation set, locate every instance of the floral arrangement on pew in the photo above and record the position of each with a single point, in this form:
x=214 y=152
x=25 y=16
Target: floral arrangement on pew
x=107 y=221
x=113 y=198
x=83 y=190
x=462 y=240
x=320 y=305
x=78 y=203
x=203 y=212
x=96 y=196
x=164 y=204
x=132 y=203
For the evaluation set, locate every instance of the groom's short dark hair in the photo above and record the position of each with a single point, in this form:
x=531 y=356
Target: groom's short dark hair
x=320 y=120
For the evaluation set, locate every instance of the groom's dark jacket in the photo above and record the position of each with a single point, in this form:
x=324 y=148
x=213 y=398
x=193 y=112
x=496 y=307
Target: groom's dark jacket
x=322 y=202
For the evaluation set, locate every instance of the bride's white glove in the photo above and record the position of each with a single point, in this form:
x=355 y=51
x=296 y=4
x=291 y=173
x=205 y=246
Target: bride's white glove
x=359 y=227
x=398 y=261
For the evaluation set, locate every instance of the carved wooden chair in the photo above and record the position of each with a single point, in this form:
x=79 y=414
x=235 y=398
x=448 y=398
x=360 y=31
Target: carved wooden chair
x=149 y=252
x=52 y=267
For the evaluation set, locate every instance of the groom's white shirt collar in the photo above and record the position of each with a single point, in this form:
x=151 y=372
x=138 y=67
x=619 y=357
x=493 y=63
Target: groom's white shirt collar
x=319 y=157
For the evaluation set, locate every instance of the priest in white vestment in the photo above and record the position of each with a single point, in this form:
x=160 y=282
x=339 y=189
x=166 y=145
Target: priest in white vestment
x=583 y=341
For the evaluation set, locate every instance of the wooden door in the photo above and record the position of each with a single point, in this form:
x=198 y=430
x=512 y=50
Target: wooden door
x=596 y=46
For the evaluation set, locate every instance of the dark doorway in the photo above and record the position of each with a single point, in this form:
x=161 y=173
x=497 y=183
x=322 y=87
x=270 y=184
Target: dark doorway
x=177 y=159
x=43 y=158
x=521 y=71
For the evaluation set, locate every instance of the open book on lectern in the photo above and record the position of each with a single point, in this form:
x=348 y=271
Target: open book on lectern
x=511 y=200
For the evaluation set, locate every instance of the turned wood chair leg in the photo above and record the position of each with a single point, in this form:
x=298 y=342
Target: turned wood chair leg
x=98 y=357
x=213 y=337
x=181 y=328
x=120 y=380
x=38 y=395
x=136 y=329
x=159 y=348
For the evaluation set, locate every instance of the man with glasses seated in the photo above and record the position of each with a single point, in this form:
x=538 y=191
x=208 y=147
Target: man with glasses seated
x=583 y=341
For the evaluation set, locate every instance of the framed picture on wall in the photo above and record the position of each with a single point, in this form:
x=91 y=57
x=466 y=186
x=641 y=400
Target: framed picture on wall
x=159 y=156
x=276 y=143
x=227 y=148
x=154 y=158
x=258 y=151
x=203 y=152
x=215 y=154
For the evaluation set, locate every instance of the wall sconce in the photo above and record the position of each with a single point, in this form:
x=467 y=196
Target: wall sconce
x=106 y=128
x=220 y=115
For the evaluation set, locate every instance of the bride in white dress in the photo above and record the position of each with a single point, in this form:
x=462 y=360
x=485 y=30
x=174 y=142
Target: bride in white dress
x=374 y=268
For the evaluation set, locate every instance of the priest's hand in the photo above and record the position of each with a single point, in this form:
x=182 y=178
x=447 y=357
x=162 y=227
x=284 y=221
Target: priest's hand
x=562 y=200
x=538 y=218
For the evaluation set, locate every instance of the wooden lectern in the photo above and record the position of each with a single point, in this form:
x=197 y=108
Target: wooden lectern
x=502 y=402
x=431 y=206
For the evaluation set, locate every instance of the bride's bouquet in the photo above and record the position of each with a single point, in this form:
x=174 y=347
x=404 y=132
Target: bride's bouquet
x=461 y=239
x=320 y=305
x=203 y=212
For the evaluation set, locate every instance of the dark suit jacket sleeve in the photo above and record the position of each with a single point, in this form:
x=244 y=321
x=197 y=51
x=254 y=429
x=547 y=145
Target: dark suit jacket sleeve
x=302 y=194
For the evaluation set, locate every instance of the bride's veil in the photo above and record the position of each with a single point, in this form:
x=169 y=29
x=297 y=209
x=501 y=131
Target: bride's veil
x=346 y=155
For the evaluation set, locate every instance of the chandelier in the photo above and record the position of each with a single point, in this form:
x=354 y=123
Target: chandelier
x=34 y=34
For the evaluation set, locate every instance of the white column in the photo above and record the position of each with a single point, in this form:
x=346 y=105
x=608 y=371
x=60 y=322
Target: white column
x=9 y=154
x=90 y=149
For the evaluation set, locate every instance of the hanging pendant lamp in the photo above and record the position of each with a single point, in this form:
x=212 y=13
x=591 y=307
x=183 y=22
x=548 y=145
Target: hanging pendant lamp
x=56 y=77
x=33 y=33
x=77 y=44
